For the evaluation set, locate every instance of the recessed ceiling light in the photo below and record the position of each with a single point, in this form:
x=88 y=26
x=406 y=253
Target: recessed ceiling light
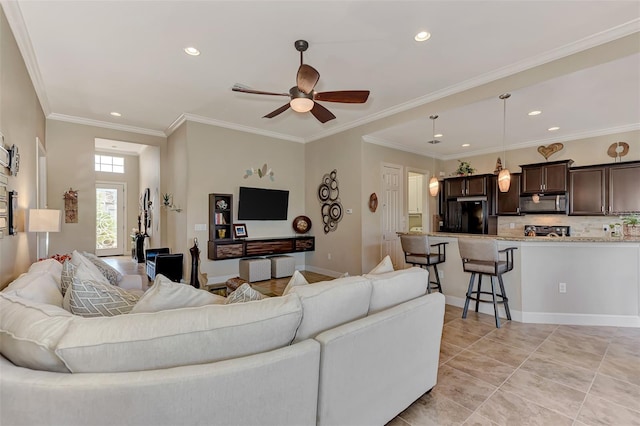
x=422 y=36
x=535 y=113
x=116 y=114
x=553 y=129
x=439 y=135
x=466 y=145
x=191 y=51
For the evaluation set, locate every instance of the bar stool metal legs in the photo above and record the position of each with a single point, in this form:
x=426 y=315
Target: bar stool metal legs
x=475 y=295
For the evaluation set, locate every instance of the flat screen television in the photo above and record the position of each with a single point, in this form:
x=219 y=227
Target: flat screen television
x=262 y=204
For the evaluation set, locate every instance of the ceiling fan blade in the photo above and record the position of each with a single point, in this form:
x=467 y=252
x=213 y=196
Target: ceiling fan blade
x=343 y=96
x=321 y=113
x=280 y=110
x=307 y=78
x=244 y=89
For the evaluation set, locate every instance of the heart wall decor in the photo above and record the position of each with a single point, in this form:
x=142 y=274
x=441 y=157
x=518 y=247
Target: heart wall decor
x=549 y=150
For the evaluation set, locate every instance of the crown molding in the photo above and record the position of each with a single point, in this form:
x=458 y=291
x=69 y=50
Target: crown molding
x=16 y=22
x=105 y=124
x=234 y=126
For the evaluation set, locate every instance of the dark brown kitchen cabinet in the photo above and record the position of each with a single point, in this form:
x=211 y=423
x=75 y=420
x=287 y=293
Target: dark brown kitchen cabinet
x=624 y=188
x=545 y=178
x=587 y=195
x=466 y=186
x=508 y=203
x=605 y=189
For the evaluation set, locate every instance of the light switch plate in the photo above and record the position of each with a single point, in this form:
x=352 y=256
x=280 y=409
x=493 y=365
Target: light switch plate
x=200 y=226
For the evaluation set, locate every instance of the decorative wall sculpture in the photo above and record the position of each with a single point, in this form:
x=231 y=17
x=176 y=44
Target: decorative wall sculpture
x=329 y=196
x=549 y=150
x=264 y=171
x=71 y=206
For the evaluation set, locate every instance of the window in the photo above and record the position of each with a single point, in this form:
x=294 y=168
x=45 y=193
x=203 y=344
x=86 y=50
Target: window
x=107 y=163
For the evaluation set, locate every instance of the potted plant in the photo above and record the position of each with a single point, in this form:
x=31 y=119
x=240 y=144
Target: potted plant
x=464 y=169
x=631 y=225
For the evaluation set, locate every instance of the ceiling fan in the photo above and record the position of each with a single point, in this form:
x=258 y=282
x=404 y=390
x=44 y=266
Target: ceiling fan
x=303 y=97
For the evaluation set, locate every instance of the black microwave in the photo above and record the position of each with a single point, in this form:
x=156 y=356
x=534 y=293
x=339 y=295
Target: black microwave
x=554 y=204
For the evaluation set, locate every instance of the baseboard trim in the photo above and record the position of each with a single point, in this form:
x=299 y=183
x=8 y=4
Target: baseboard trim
x=323 y=271
x=552 y=317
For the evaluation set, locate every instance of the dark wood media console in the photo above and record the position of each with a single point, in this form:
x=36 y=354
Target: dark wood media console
x=233 y=249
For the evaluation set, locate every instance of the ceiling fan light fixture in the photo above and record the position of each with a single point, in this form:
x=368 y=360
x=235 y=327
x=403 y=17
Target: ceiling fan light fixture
x=301 y=104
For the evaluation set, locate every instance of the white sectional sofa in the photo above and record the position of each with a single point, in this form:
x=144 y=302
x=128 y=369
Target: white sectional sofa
x=352 y=351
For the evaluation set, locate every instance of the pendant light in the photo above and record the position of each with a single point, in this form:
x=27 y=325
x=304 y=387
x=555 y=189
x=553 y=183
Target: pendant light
x=504 y=178
x=434 y=185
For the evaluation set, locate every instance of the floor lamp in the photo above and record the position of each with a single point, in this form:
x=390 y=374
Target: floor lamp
x=44 y=220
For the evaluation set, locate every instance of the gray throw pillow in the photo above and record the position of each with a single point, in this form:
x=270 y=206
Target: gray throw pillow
x=109 y=272
x=244 y=293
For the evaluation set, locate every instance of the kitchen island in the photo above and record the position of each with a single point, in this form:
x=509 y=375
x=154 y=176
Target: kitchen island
x=601 y=275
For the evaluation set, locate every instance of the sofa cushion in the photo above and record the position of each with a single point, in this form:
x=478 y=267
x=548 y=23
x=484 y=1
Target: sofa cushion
x=91 y=298
x=165 y=294
x=39 y=286
x=50 y=265
x=30 y=331
x=244 y=293
x=110 y=273
x=330 y=303
x=296 y=279
x=176 y=337
x=392 y=288
x=384 y=266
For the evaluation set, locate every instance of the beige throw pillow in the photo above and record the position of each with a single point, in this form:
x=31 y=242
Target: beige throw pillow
x=90 y=298
x=165 y=294
x=384 y=266
x=109 y=272
x=296 y=279
x=39 y=286
x=244 y=293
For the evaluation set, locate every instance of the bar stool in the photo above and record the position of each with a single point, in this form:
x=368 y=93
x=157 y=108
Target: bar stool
x=481 y=256
x=418 y=252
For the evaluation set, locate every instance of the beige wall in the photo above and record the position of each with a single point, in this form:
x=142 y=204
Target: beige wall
x=70 y=161
x=208 y=159
x=21 y=121
x=583 y=152
x=149 y=177
x=176 y=183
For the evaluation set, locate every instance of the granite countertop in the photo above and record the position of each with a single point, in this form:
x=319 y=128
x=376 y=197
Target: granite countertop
x=530 y=239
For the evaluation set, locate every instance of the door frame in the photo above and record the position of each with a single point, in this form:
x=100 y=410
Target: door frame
x=121 y=235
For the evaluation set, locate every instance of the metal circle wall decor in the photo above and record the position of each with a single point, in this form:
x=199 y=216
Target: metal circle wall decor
x=331 y=207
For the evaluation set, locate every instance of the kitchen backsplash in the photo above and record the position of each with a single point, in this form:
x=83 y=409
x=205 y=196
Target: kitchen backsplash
x=581 y=226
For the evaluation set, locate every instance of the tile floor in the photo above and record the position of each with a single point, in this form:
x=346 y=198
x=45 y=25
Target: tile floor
x=520 y=374
x=531 y=374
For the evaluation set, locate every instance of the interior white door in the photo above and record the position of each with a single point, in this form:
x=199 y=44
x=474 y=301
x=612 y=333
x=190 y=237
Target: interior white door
x=110 y=219
x=392 y=213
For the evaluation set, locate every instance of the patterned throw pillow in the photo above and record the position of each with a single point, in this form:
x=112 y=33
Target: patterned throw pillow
x=90 y=298
x=66 y=278
x=244 y=293
x=109 y=272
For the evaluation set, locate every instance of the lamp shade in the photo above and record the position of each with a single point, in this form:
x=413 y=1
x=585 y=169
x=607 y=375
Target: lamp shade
x=44 y=220
x=434 y=185
x=504 y=180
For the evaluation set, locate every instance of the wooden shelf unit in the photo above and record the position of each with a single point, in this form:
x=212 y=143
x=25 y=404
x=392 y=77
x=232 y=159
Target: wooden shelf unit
x=235 y=249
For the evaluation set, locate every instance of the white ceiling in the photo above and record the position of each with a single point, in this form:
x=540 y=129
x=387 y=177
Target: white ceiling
x=88 y=58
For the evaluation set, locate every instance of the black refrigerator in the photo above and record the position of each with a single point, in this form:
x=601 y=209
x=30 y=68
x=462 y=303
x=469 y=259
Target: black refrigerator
x=467 y=215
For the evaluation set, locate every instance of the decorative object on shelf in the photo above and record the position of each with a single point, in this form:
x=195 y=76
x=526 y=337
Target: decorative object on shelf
x=331 y=207
x=195 y=260
x=549 y=150
x=504 y=177
x=498 y=166
x=434 y=185
x=464 y=169
x=260 y=172
x=222 y=233
x=222 y=204
x=71 y=206
x=631 y=225
x=617 y=150
x=373 y=202
x=302 y=224
x=239 y=230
